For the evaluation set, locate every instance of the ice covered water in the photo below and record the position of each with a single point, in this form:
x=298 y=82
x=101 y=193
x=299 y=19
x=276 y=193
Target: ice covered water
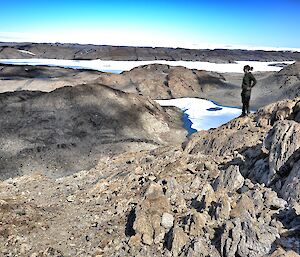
x=200 y=114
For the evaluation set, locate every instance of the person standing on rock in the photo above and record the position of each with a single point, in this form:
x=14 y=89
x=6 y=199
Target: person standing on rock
x=249 y=82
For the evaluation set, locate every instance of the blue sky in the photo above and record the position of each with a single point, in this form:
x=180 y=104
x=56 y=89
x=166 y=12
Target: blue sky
x=166 y=23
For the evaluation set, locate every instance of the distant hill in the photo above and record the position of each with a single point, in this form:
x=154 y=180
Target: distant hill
x=284 y=84
x=70 y=128
x=126 y=53
x=159 y=81
x=164 y=82
x=42 y=78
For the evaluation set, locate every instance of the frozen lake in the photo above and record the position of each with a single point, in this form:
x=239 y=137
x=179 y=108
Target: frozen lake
x=200 y=114
x=119 y=66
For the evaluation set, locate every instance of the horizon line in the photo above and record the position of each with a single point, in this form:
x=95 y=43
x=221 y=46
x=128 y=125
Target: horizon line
x=225 y=47
x=13 y=37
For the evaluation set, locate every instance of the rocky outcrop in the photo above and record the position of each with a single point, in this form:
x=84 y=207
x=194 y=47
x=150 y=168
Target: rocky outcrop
x=164 y=82
x=264 y=145
x=68 y=129
x=243 y=133
x=282 y=142
x=290 y=189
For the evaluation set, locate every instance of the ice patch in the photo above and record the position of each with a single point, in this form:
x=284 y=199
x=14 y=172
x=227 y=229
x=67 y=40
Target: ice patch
x=119 y=66
x=26 y=52
x=200 y=114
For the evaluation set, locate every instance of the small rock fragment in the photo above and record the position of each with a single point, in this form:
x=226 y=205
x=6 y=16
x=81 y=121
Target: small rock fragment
x=167 y=220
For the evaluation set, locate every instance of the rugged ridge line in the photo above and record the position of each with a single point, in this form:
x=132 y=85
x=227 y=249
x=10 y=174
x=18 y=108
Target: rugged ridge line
x=128 y=53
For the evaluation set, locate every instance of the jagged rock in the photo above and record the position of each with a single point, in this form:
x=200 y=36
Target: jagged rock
x=273 y=112
x=204 y=199
x=260 y=170
x=273 y=201
x=282 y=142
x=229 y=244
x=244 y=208
x=248 y=183
x=231 y=179
x=221 y=210
x=174 y=192
x=291 y=188
x=247 y=238
x=197 y=223
x=180 y=239
x=200 y=248
x=239 y=134
x=149 y=215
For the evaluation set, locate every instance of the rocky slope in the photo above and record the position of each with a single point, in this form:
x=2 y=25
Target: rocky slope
x=68 y=129
x=164 y=82
x=230 y=191
x=42 y=78
x=123 y=53
x=266 y=145
x=284 y=84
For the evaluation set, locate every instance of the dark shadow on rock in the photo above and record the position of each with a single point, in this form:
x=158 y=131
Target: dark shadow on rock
x=216 y=241
x=287 y=167
x=168 y=239
x=291 y=225
x=129 y=230
x=20 y=72
x=68 y=129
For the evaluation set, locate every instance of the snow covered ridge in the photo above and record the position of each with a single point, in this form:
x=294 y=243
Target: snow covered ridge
x=119 y=66
x=203 y=114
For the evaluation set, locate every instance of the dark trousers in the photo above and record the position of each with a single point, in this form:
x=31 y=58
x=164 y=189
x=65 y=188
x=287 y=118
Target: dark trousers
x=245 y=100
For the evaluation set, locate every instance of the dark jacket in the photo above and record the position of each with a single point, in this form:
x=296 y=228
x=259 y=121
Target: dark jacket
x=248 y=82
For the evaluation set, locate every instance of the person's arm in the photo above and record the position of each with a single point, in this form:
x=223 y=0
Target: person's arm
x=254 y=81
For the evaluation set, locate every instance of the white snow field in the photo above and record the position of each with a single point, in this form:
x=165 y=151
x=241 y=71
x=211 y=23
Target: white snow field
x=119 y=66
x=203 y=114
